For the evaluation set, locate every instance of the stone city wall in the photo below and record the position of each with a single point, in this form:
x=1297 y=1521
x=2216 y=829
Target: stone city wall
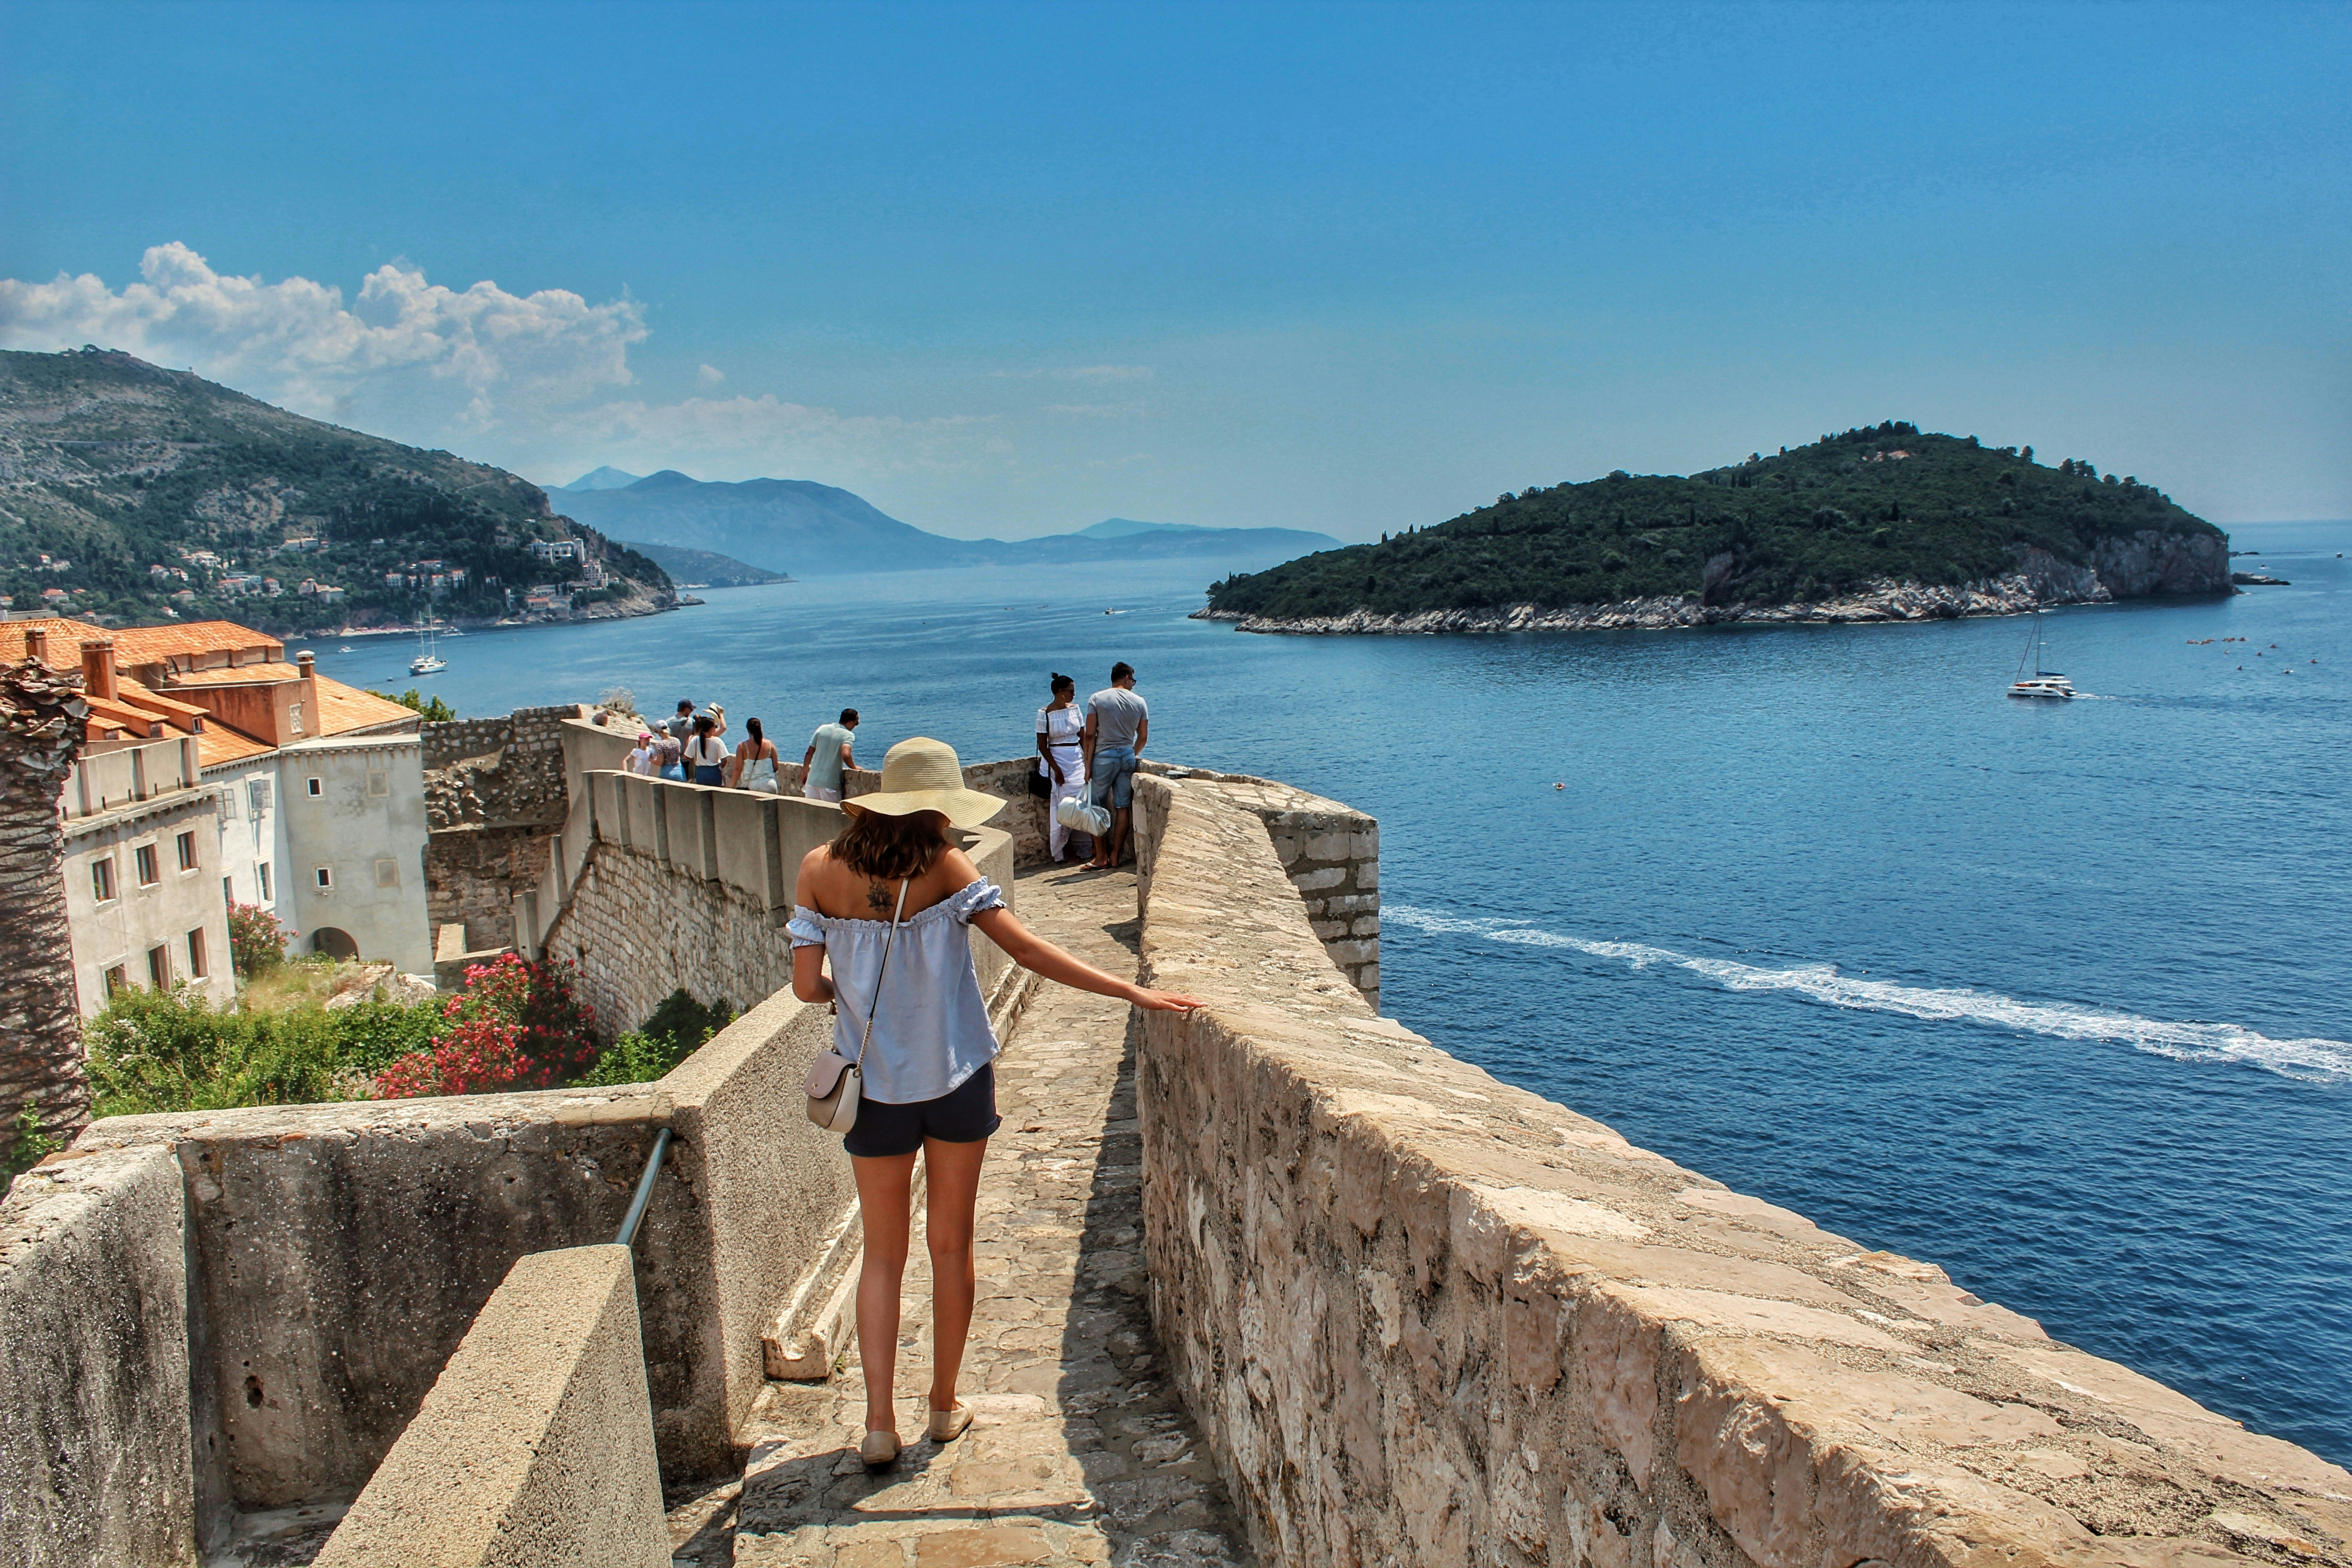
x=94 y=1440
x=537 y=1443
x=1424 y=1316
x=494 y=789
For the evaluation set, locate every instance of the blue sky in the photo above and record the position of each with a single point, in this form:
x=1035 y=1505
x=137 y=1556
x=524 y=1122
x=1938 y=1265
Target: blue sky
x=1011 y=270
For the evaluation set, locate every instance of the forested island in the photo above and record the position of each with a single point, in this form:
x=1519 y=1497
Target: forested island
x=132 y=495
x=1882 y=522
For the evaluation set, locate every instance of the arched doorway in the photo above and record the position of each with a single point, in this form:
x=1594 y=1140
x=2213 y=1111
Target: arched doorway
x=334 y=943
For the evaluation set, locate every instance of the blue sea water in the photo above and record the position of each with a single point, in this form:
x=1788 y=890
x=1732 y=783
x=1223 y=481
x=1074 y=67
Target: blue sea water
x=2053 y=996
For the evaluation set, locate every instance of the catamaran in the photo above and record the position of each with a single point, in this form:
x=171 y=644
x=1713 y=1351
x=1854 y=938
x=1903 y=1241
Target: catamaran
x=426 y=661
x=2041 y=682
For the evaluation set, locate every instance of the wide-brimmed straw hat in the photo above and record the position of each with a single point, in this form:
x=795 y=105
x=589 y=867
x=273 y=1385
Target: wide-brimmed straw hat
x=923 y=775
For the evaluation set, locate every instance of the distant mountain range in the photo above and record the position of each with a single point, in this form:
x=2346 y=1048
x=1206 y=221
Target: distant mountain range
x=810 y=529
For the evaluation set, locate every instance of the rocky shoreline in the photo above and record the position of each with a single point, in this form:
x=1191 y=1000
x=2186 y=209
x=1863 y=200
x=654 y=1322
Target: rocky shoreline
x=2146 y=565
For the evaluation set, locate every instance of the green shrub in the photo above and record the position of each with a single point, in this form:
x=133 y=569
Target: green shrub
x=28 y=1144
x=671 y=1032
x=169 y=1050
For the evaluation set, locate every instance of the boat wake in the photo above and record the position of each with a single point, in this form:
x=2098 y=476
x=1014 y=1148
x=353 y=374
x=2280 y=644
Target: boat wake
x=2310 y=1060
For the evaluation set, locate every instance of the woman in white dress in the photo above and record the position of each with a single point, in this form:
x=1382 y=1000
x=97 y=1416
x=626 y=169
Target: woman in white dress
x=1061 y=761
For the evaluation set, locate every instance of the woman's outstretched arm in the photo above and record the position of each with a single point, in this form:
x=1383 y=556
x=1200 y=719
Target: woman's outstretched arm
x=1035 y=953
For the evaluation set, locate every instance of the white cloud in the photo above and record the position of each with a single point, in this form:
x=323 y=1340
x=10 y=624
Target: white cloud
x=1098 y=410
x=523 y=380
x=1107 y=373
x=405 y=347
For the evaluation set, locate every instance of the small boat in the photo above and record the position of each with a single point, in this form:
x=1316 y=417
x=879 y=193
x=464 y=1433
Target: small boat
x=2041 y=682
x=345 y=648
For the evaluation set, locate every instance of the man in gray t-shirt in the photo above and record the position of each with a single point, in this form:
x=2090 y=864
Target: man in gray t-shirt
x=1117 y=725
x=828 y=753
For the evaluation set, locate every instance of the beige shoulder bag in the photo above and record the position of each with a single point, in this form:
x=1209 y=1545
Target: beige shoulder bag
x=834 y=1080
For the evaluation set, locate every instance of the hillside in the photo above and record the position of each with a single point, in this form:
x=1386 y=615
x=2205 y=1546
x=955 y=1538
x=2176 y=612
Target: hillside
x=1879 y=523
x=704 y=568
x=136 y=495
x=813 y=530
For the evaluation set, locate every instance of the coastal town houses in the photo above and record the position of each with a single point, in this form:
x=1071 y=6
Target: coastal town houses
x=218 y=773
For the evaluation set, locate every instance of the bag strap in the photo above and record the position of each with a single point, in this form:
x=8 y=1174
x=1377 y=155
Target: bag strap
x=887 y=943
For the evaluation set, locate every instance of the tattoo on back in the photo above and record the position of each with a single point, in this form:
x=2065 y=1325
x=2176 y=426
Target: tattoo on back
x=877 y=897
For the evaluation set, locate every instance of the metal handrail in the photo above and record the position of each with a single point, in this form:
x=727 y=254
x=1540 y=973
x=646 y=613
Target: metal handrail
x=628 y=1233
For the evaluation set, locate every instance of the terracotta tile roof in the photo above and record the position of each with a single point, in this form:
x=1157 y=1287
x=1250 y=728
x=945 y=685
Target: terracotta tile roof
x=134 y=719
x=174 y=711
x=241 y=675
x=219 y=745
x=343 y=708
x=152 y=645
x=133 y=645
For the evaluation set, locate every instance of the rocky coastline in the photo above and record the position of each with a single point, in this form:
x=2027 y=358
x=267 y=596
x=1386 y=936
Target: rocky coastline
x=2143 y=566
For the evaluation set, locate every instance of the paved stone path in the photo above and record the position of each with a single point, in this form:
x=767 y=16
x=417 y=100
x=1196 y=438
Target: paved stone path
x=1080 y=1451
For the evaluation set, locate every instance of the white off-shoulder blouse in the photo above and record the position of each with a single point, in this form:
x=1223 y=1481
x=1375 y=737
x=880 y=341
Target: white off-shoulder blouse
x=930 y=1028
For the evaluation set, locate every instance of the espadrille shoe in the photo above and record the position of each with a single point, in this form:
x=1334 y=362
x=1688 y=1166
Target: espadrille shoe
x=946 y=1425
x=880 y=1449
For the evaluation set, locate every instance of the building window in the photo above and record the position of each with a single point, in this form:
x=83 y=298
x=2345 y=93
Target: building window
x=387 y=873
x=159 y=967
x=326 y=878
x=149 y=872
x=101 y=878
x=228 y=891
x=197 y=953
x=264 y=869
x=188 y=852
x=257 y=796
x=118 y=981
x=318 y=788
x=379 y=784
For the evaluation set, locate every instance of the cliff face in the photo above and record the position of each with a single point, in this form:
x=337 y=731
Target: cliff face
x=2145 y=564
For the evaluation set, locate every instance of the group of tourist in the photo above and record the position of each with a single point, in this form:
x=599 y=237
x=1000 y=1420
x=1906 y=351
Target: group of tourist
x=688 y=747
x=1085 y=754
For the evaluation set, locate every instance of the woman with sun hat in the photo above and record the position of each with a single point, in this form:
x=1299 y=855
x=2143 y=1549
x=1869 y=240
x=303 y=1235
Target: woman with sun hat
x=892 y=885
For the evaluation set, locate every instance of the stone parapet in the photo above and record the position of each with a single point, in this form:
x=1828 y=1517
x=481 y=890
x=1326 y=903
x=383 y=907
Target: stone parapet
x=1329 y=852
x=1425 y=1317
x=95 y=1445
x=536 y=1445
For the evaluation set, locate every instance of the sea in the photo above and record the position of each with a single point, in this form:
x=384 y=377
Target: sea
x=2056 y=996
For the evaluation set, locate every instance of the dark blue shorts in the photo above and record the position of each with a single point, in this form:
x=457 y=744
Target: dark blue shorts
x=966 y=1114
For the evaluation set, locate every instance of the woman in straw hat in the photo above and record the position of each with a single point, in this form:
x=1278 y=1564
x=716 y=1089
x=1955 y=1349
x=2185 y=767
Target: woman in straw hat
x=928 y=1068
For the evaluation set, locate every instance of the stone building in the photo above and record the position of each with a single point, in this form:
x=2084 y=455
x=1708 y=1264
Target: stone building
x=195 y=730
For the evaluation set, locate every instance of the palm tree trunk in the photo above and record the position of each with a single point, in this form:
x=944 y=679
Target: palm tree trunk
x=41 y=732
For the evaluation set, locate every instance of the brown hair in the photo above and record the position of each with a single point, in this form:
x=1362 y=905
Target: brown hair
x=886 y=847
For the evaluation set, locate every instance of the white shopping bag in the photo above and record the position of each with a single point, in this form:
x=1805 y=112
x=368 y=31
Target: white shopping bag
x=1079 y=816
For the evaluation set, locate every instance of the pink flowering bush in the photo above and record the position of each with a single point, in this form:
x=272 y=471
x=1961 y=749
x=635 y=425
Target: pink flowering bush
x=515 y=1026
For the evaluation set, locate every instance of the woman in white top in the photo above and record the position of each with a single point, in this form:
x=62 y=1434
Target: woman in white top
x=641 y=760
x=929 y=1082
x=706 y=755
x=1061 y=759
x=755 y=760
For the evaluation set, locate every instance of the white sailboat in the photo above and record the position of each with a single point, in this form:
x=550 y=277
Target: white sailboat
x=2047 y=683
x=428 y=661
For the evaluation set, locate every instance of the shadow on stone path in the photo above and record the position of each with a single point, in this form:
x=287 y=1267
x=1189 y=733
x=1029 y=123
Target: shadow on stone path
x=1080 y=1451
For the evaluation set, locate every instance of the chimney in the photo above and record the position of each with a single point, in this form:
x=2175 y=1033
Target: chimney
x=98 y=668
x=36 y=644
x=308 y=663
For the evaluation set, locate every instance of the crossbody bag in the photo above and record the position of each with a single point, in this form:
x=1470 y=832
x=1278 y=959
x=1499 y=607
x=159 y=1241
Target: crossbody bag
x=834 y=1082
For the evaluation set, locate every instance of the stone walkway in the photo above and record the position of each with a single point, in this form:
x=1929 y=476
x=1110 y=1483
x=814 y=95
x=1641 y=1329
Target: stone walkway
x=1079 y=1451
